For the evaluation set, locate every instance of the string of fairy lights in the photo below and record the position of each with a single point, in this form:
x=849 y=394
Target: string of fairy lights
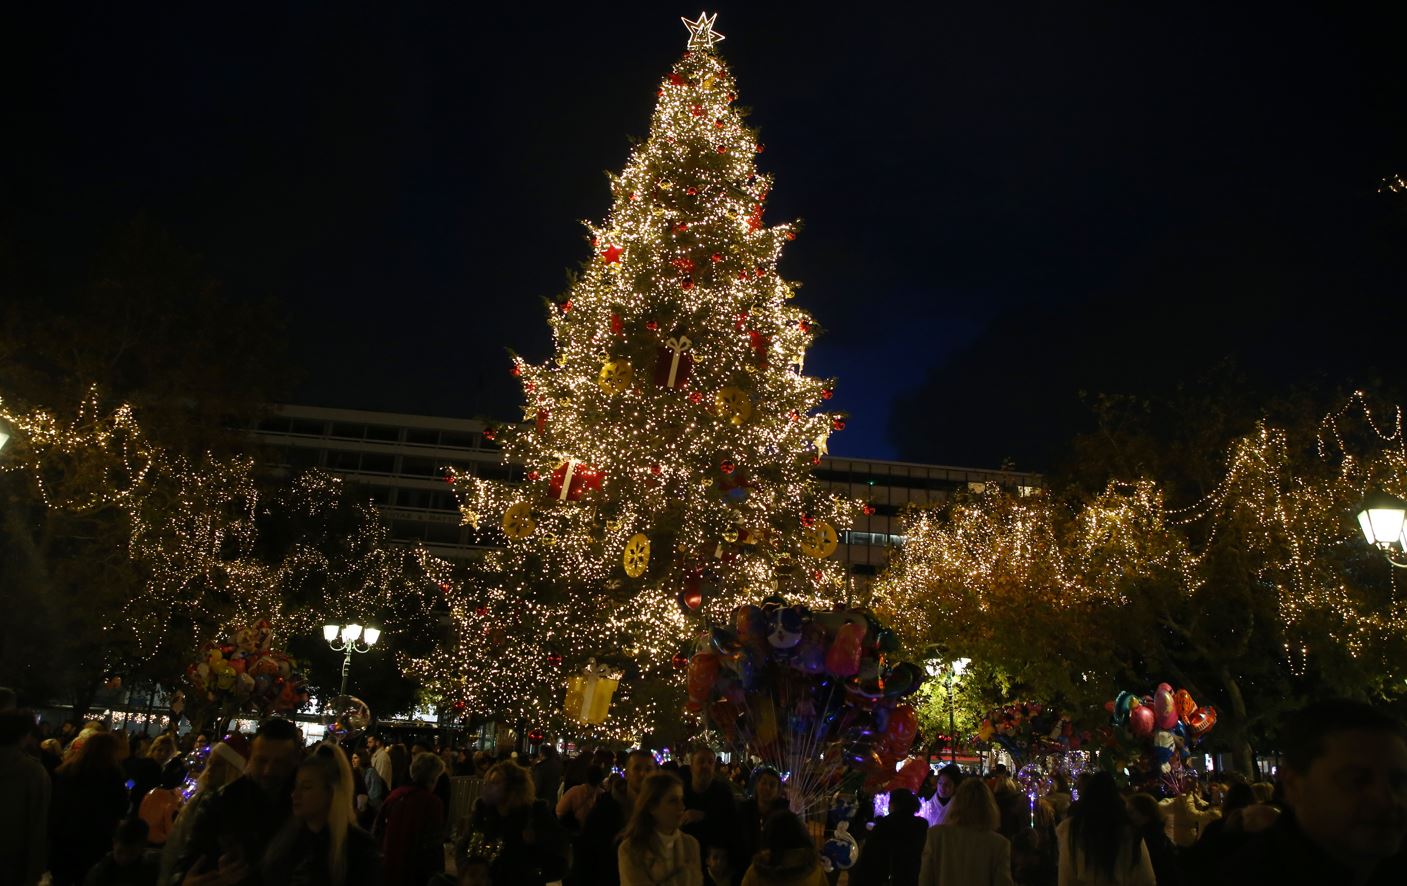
x=193 y=528
x=669 y=441
x=1287 y=499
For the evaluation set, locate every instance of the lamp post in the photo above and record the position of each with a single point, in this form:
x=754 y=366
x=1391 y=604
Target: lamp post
x=353 y=638
x=951 y=674
x=1381 y=517
x=4 y=438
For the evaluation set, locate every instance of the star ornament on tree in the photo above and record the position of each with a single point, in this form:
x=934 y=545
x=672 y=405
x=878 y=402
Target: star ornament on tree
x=701 y=32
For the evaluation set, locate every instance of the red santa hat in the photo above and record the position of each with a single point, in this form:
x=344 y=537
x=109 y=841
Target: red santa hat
x=234 y=750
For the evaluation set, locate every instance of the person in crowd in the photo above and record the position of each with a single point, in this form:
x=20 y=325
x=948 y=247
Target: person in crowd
x=51 y=754
x=709 y=801
x=547 y=773
x=225 y=763
x=578 y=800
x=483 y=762
x=1224 y=837
x=1187 y=815
x=24 y=803
x=596 y=847
x=529 y=846
x=1014 y=806
x=230 y=831
x=161 y=805
x=358 y=762
x=719 y=867
x=143 y=769
x=945 y=788
x=410 y=827
x=1060 y=797
x=753 y=812
x=788 y=856
x=201 y=741
x=400 y=766
x=1034 y=858
x=894 y=849
x=1098 y=843
x=1147 y=818
x=966 y=848
x=89 y=799
x=463 y=763
x=1264 y=792
x=130 y=863
x=379 y=776
x=653 y=849
x=320 y=842
x=1345 y=795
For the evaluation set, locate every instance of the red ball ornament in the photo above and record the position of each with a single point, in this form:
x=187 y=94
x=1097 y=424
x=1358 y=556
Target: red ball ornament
x=808 y=521
x=791 y=235
x=716 y=257
x=651 y=325
x=444 y=587
x=727 y=466
x=656 y=470
x=617 y=325
x=869 y=510
x=490 y=433
x=676 y=80
x=794 y=415
x=536 y=736
x=680 y=661
x=691 y=191
x=533 y=475
x=481 y=611
x=681 y=227
x=838 y=424
x=567 y=306
x=516 y=370
x=827 y=393
x=696 y=110
x=804 y=326
x=722 y=149
x=718 y=124
x=817 y=576
x=449 y=478
x=686 y=284
x=695 y=397
x=760 y=148
x=554 y=659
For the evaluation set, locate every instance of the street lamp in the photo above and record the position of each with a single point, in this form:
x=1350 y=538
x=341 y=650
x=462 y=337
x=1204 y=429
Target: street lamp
x=951 y=673
x=4 y=438
x=1381 y=517
x=354 y=638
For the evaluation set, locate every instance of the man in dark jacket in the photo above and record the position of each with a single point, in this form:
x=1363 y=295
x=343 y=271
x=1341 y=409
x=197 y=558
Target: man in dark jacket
x=711 y=810
x=232 y=829
x=894 y=849
x=1345 y=781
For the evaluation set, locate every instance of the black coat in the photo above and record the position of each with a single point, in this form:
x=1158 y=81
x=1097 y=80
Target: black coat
x=298 y=857
x=529 y=844
x=83 y=815
x=594 y=851
x=1283 y=855
x=893 y=852
x=239 y=815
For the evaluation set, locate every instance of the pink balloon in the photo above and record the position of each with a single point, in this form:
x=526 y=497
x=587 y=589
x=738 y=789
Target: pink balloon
x=1141 y=721
x=1164 y=707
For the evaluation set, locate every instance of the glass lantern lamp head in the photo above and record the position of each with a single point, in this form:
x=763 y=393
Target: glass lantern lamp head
x=351 y=633
x=1381 y=518
x=4 y=438
x=371 y=635
x=960 y=667
x=330 y=632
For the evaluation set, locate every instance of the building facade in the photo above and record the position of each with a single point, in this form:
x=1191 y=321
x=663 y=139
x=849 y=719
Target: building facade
x=401 y=461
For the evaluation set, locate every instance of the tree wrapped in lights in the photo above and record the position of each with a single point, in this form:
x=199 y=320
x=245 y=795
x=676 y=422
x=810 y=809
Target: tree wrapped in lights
x=1254 y=596
x=668 y=442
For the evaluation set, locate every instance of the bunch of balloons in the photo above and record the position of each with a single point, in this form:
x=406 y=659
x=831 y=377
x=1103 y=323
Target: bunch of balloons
x=817 y=695
x=1029 y=728
x=1160 y=728
x=245 y=671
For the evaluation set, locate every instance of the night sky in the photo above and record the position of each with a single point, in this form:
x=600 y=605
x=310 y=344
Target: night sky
x=1004 y=204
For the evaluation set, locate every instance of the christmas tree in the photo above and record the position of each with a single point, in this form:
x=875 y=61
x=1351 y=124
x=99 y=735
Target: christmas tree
x=669 y=441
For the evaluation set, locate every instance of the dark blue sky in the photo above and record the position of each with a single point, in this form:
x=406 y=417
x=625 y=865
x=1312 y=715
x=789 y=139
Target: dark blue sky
x=1002 y=206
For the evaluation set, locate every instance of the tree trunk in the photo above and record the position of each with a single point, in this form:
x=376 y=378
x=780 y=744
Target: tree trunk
x=1240 y=746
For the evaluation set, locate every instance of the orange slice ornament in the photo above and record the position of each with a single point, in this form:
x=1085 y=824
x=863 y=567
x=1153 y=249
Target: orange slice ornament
x=518 y=521
x=636 y=558
x=819 y=540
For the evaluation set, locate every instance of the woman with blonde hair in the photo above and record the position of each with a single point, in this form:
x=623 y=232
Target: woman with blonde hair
x=514 y=830
x=966 y=849
x=652 y=849
x=321 y=842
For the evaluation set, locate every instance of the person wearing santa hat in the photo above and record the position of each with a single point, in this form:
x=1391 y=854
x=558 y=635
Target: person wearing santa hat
x=225 y=763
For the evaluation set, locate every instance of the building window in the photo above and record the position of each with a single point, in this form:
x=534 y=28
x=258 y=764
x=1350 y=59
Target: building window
x=307 y=428
x=459 y=439
x=340 y=460
x=384 y=433
x=421 y=437
x=378 y=463
x=420 y=467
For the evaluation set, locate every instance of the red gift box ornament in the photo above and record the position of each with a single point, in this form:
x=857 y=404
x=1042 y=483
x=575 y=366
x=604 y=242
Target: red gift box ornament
x=676 y=361
x=571 y=480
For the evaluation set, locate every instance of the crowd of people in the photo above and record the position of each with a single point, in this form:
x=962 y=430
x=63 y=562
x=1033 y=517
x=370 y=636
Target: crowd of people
x=93 y=806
